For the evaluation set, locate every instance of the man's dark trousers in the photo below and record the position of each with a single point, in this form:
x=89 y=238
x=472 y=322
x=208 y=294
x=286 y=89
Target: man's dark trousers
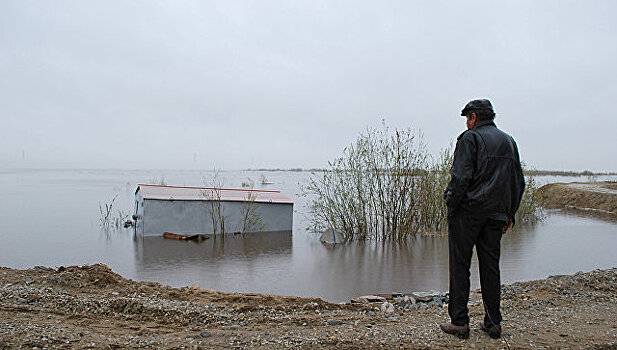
x=466 y=230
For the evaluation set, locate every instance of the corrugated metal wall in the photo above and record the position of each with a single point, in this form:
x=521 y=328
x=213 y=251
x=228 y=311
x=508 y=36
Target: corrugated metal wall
x=184 y=217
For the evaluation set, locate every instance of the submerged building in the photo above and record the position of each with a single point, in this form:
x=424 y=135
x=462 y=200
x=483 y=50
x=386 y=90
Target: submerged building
x=207 y=210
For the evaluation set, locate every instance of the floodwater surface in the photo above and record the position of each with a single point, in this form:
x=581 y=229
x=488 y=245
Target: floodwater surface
x=50 y=217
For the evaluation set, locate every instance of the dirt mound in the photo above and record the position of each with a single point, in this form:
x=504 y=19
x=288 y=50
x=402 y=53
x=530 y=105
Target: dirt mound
x=598 y=197
x=98 y=275
x=612 y=185
x=92 y=307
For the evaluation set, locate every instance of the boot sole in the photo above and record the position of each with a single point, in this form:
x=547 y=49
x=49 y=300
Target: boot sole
x=462 y=335
x=492 y=335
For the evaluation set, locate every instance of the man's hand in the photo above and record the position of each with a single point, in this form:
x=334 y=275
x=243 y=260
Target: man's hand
x=507 y=226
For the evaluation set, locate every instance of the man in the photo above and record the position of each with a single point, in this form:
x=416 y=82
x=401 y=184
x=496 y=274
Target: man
x=483 y=195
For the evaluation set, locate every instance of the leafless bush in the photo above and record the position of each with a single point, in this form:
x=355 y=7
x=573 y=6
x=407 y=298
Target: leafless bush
x=529 y=211
x=431 y=211
x=110 y=218
x=368 y=193
x=105 y=213
x=250 y=218
x=212 y=196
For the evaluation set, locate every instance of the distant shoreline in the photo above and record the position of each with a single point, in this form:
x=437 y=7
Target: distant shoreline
x=527 y=172
x=296 y=170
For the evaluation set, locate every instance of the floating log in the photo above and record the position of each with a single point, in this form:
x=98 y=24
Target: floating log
x=171 y=235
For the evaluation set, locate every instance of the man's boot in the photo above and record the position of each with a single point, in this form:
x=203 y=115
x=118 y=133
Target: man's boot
x=493 y=331
x=460 y=331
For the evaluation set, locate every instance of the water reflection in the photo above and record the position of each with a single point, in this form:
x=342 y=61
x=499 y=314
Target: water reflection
x=153 y=252
x=300 y=265
x=246 y=263
x=51 y=218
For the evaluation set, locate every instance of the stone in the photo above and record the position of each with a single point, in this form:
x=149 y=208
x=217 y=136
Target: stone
x=310 y=306
x=205 y=334
x=387 y=307
x=424 y=297
x=366 y=299
x=334 y=322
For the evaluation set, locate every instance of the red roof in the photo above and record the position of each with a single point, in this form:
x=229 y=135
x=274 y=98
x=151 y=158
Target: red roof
x=190 y=193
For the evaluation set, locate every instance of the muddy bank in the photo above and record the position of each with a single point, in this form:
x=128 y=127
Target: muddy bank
x=594 y=197
x=92 y=307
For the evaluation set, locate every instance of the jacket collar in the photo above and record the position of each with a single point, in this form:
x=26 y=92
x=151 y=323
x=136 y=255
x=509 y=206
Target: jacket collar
x=484 y=122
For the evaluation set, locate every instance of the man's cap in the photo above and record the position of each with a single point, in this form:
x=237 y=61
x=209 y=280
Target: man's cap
x=477 y=105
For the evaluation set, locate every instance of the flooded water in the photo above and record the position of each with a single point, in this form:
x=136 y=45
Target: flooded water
x=50 y=217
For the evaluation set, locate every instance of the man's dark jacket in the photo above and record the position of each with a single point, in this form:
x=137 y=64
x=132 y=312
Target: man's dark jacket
x=487 y=178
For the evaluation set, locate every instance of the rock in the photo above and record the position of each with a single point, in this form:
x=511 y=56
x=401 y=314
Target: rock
x=366 y=299
x=334 y=322
x=310 y=306
x=387 y=307
x=205 y=334
x=424 y=297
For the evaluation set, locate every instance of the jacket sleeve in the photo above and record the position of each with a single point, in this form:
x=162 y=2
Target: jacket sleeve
x=519 y=188
x=462 y=171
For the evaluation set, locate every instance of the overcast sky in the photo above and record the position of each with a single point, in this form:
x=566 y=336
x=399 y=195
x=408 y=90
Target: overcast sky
x=231 y=84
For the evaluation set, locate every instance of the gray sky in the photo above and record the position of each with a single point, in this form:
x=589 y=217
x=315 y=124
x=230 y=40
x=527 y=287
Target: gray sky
x=230 y=84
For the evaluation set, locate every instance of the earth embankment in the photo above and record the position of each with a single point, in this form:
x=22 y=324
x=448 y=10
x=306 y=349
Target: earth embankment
x=92 y=307
x=596 y=197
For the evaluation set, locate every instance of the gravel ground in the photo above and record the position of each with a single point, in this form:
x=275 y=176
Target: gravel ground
x=91 y=307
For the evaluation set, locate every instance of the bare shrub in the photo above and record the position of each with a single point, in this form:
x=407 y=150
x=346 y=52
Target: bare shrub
x=105 y=213
x=369 y=191
x=431 y=210
x=110 y=218
x=213 y=198
x=529 y=211
x=387 y=186
x=250 y=218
